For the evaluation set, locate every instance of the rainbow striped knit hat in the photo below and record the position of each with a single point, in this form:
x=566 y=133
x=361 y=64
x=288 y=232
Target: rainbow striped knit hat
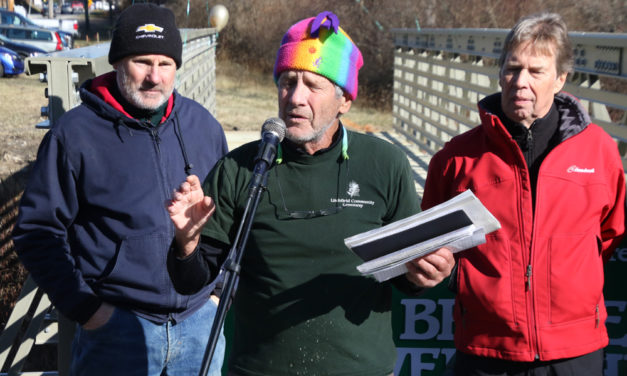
x=321 y=46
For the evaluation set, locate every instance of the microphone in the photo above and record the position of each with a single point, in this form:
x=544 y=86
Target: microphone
x=272 y=133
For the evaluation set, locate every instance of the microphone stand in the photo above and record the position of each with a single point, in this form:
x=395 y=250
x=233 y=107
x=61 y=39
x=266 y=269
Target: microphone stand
x=232 y=262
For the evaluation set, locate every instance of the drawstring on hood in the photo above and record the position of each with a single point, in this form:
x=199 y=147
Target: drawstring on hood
x=179 y=135
x=119 y=121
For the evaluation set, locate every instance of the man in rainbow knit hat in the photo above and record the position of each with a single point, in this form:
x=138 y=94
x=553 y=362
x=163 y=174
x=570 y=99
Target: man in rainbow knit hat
x=301 y=307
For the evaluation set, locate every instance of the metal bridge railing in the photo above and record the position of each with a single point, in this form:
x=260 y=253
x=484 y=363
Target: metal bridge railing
x=440 y=74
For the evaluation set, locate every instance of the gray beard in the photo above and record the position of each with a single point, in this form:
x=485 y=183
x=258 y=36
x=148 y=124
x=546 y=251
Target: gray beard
x=314 y=137
x=133 y=96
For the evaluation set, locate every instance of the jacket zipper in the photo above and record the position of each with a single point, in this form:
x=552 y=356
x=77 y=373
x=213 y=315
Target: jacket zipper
x=154 y=132
x=533 y=335
x=157 y=139
x=529 y=270
x=528 y=275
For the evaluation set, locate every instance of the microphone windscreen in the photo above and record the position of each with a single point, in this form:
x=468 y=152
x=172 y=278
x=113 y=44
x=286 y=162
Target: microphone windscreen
x=275 y=125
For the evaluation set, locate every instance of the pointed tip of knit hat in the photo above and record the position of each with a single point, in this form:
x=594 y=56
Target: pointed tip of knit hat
x=146 y=29
x=319 y=45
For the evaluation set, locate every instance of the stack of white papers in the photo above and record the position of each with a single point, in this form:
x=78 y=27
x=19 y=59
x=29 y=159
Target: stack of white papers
x=457 y=224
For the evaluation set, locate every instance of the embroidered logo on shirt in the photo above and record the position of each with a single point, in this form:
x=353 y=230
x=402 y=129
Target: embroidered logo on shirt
x=575 y=169
x=353 y=189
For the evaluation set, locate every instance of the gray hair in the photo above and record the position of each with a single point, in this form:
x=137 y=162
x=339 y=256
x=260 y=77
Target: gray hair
x=548 y=34
x=338 y=91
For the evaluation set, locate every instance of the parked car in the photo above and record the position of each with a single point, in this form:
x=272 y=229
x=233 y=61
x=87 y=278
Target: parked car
x=10 y=62
x=78 y=7
x=22 y=49
x=55 y=9
x=46 y=39
x=66 y=8
x=13 y=18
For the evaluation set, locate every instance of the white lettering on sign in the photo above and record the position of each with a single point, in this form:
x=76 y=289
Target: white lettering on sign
x=423 y=310
x=435 y=319
x=613 y=306
x=620 y=254
x=417 y=361
x=612 y=363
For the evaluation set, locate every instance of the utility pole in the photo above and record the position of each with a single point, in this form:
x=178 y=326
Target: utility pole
x=86 y=6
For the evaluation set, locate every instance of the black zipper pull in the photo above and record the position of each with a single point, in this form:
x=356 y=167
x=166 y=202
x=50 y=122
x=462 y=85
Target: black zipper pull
x=155 y=135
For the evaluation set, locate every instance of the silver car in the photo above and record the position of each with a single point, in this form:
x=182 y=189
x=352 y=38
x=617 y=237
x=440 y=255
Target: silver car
x=46 y=39
x=13 y=18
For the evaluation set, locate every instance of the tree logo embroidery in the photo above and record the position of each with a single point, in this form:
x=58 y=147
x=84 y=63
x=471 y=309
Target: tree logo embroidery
x=353 y=189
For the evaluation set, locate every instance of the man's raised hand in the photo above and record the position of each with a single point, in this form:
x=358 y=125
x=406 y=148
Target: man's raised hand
x=189 y=210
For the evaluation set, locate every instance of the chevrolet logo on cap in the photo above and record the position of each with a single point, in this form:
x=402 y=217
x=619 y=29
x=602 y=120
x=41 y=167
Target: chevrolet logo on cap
x=149 y=28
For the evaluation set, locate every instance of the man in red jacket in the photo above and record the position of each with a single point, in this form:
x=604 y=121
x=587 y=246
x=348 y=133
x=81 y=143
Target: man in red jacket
x=530 y=300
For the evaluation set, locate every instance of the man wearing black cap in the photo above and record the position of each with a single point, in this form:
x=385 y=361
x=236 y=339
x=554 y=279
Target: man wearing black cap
x=92 y=229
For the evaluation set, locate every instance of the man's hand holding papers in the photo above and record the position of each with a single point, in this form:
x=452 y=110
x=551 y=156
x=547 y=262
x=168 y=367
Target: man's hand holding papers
x=428 y=271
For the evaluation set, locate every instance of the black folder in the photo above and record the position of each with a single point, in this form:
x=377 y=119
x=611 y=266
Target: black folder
x=394 y=242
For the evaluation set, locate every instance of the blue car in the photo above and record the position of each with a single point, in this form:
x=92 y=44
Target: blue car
x=10 y=63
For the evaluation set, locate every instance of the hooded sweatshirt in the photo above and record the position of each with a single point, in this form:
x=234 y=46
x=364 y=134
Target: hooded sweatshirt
x=93 y=226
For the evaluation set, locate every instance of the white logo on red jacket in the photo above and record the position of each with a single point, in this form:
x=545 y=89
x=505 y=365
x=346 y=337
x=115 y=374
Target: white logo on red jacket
x=580 y=170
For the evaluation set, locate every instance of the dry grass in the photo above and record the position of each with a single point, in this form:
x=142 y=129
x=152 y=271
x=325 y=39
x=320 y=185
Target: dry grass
x=12 y=274
x=22 y=99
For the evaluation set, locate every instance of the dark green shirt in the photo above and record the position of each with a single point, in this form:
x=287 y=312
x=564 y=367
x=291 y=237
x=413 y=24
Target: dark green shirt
x=301 y=306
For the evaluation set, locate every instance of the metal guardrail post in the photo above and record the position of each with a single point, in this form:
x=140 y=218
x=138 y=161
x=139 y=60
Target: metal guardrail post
x=64 y=72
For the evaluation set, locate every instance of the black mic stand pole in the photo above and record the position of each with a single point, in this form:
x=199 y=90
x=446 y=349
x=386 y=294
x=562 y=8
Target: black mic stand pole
x=232 y=262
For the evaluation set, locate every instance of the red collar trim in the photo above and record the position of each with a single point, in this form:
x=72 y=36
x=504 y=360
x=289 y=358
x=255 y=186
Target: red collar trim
x=101 y=86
